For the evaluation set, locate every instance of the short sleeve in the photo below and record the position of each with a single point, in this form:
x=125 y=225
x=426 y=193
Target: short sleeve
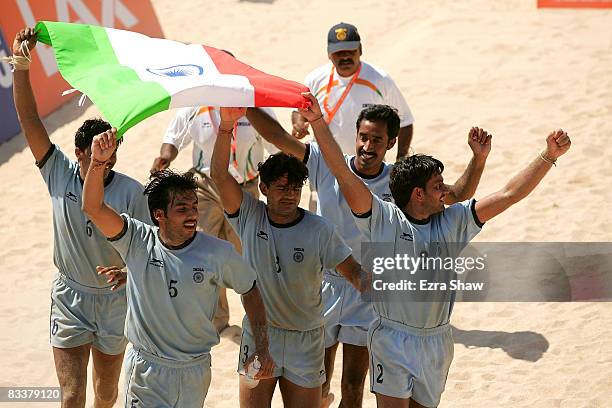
x=248 y=208
x=314 y=161
x=236 y=274
x=382 y=217
x=56 y=168
x=335 y=250
x=139 y=208
x=178 y=133
x=132 y=239
x=394 y=98
x=462 y=223
x=319 y=174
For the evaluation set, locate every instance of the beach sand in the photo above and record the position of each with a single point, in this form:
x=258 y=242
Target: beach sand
x=504 y=65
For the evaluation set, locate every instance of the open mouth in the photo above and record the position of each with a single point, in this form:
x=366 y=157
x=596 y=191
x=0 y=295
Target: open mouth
x=366 y=155
x=190 y=224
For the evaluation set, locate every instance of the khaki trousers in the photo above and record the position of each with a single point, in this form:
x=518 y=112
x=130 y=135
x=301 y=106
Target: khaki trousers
x=212 y=221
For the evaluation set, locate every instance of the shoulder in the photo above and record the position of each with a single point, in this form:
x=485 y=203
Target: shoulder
x=457 y=210
x=127 y=183
x=374 y=72
x=317 y=221
x=318 y=73
x=185 y=113
x=214 y=246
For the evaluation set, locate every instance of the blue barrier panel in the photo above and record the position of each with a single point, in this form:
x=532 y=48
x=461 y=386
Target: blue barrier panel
x=9 y=124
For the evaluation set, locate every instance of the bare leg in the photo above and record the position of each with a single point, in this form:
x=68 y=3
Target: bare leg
x=383 y=401
x=355 y=364
x=258 y=397
x=106 y=371
x=71 y=369
x=295 y=396
x=330 y=357
x=414 y=404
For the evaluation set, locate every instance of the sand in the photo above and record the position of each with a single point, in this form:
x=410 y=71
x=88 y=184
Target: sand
x=504 y=65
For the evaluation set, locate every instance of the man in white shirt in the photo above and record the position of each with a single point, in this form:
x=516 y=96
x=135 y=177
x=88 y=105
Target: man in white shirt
x=347 y=85
x=200 y=125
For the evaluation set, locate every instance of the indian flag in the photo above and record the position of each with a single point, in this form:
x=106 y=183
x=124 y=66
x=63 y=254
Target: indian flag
x=130 y=76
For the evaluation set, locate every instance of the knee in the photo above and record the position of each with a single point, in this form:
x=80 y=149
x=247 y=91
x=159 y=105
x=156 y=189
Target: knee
x=106 y=395
x=353 y=380
x=73 y=396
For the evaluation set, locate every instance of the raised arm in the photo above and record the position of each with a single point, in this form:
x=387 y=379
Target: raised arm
x=404 y=138
x=357 y=195
x=33 y=129
x=274 y=133
x=229 y=189
x=523 y=183
x=108 y=221
x=464 y=188
x=256 y=313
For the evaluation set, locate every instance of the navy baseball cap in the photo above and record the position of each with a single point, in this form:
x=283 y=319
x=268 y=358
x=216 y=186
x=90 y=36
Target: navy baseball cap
x=342 y=37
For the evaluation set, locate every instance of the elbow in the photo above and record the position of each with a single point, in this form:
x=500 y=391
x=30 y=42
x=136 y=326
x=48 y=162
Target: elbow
x=511 y=197
x=86 y=208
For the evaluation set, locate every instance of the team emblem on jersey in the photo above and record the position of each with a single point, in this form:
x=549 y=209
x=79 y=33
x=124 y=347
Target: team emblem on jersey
x=178 y=71
x=387 y=197
x=156 y=262
x=262 y=235
x=298 y=255
x=341 y=34
x=198 y=277
x=406 y=236
x=71 y=197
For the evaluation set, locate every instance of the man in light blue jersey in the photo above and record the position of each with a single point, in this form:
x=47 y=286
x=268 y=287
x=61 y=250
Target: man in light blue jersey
x=87 y=309
x=347 y=316
x=174 y=278
x=289 y=248
x=410 y=345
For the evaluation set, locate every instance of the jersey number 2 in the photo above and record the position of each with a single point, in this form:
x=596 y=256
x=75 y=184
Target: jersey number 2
x=379 y=379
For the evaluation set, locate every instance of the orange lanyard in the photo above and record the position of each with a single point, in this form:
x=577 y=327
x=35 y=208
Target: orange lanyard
x=234 y=131
x=332 y=112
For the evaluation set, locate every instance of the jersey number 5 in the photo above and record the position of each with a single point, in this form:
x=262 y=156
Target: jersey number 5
x=172 y=290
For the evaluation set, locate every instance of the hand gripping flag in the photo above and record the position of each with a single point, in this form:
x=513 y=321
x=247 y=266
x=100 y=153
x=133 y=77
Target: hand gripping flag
x=130 y=76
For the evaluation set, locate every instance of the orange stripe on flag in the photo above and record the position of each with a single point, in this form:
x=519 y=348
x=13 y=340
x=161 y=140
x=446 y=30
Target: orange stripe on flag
x=575 y=3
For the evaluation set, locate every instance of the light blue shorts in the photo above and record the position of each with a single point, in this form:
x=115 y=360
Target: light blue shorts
x=347 y=316
x=82 y=315
x=155 y=382
x=407 y=362
x=299 y=355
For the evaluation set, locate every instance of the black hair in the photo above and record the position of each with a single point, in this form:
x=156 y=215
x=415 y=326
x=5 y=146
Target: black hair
x=280 y=164
x=412 y=172
x=163 y=186
x=90 y=128
x=381 y=113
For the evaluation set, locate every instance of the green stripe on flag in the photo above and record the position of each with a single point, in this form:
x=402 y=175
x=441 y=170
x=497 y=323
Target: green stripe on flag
x=87 y=61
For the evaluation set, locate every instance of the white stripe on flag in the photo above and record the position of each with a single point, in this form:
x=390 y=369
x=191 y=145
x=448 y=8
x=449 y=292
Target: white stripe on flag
x=186 y=71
